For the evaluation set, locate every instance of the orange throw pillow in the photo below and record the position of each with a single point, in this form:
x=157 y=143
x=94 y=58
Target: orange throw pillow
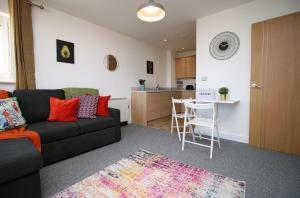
x=102 y=109
x=3 y=94
x=63 y=110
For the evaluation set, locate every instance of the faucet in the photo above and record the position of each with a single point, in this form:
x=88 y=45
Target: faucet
x=157 y=87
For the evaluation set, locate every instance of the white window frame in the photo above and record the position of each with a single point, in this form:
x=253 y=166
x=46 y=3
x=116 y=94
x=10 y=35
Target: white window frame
x=7 y=67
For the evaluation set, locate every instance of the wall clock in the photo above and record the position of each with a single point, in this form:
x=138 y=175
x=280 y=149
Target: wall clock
x=224 y=45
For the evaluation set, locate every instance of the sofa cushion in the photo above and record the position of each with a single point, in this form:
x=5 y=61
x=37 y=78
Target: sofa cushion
x=10 y=114
x=18 y=158
x=53 y=131
x=87 y=106
x=102 y=109
x=4 y=94
x=35 y=104
x=99 y=123
x=63 y=110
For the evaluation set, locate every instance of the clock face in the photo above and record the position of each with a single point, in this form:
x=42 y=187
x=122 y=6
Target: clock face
x=224 y=45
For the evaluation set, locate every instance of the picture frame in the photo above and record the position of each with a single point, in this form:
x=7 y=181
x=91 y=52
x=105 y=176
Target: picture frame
x=150 y=68
x=64 y=51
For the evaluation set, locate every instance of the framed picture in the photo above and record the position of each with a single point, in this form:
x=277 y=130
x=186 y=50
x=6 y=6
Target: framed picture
x=64 y=51
x=149 y=67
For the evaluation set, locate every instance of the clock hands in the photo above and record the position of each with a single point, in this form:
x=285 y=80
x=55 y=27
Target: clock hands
x=224 y=45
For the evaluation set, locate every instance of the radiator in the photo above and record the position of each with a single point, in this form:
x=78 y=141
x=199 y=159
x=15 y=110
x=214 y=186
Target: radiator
x=122 y=104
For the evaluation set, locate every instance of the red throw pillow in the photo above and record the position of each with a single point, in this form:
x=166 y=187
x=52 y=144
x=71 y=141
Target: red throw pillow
x=63 y=110
x=3 y=94
x=102 y=109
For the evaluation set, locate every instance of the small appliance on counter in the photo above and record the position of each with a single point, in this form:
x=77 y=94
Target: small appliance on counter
x=190 y=87
x=142 y=84
x=179 y=84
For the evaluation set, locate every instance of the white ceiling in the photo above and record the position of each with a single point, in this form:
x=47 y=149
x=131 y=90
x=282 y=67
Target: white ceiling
x=178 y=27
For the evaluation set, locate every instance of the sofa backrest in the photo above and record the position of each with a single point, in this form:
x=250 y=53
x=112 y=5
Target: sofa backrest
x=74 y=91
x=35 y=104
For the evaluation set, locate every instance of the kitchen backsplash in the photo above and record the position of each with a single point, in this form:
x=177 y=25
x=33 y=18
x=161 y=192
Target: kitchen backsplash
x=185 y=82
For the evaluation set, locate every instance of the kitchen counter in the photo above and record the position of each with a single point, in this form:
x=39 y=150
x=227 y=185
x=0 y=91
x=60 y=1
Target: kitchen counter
x=153 y=90
x=153 y=104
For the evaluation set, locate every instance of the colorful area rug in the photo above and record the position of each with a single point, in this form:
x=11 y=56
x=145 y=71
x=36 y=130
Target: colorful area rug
x=145 y=174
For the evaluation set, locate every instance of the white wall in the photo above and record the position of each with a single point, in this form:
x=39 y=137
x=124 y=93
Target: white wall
x=235 y=72
x=92 y=44
x=170 y=66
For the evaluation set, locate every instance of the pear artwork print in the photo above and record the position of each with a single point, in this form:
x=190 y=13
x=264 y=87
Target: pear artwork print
x=64 y=51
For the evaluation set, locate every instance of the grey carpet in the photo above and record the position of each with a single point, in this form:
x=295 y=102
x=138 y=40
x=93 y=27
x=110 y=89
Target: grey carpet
x=267 y=173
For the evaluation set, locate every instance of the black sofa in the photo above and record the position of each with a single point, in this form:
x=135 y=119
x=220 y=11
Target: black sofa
x=20 y=161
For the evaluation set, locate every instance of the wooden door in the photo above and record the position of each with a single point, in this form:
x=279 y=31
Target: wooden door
x=165 y=103
x=190 y=67
x=180 y=68
x=275 y=97
x=256 y=94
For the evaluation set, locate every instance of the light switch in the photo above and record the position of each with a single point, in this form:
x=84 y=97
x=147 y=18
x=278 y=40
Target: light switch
x=203 y=78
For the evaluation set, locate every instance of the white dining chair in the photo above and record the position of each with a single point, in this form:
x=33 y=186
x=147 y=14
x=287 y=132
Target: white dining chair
x=177 y=115
x=199 y=121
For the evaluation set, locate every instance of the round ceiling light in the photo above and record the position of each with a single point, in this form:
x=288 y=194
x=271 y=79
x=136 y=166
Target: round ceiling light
x=151 y=11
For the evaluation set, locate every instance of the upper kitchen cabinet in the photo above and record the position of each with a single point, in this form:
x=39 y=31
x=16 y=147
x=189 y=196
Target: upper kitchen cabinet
x=186 y=67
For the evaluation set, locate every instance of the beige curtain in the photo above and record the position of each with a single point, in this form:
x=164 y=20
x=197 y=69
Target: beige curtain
x=21 y=26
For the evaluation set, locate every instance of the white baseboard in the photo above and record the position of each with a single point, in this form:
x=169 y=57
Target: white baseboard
x=234 y=137
x=230 y=136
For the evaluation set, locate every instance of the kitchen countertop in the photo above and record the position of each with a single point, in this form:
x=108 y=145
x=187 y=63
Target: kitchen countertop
x=153 y=90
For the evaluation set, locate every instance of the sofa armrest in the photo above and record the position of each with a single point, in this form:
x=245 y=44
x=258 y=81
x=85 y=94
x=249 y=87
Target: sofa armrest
x=18 y=158
x=115 y=113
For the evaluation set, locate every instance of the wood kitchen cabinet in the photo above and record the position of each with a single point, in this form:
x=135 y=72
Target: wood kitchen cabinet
x=185 y=67
x=190 y=67
x=180 y=67
x=153 y=106
x=187 y=95
x=177 y=95
x=147 y=106
x=165 y=103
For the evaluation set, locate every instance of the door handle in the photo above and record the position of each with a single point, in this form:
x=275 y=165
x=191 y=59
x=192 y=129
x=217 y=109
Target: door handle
x=254 y=85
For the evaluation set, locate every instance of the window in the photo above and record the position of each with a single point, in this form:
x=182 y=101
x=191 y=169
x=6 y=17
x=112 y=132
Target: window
x=6 y=68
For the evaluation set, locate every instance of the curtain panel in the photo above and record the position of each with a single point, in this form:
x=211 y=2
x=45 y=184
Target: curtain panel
x=22 y=39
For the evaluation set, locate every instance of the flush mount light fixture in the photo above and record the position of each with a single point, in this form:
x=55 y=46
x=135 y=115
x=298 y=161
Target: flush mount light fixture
x=151 y=11
x=165 y=40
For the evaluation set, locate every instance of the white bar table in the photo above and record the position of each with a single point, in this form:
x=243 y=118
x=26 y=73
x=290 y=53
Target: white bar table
x=217 y=102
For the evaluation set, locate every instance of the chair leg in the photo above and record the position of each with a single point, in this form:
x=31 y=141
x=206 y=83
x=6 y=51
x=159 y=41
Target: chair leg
x=217 y=130
x=198 y=131
x=178 y=130
x=172 y=125
x=183 y=137
x=191 y=130
x=212 y=142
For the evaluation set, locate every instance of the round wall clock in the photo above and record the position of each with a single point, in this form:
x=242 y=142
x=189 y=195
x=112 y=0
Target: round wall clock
x=224 y=45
